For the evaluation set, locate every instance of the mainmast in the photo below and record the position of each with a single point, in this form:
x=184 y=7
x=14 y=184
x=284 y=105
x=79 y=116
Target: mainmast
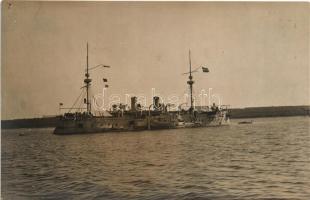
x=87 y=81
x=190 y=82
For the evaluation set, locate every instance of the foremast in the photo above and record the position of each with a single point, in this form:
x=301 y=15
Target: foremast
x=87 y=82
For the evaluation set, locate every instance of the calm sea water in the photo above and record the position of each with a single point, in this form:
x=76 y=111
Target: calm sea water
x=269 y=159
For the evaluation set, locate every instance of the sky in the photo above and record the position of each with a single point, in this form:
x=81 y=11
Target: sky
x=257 y=53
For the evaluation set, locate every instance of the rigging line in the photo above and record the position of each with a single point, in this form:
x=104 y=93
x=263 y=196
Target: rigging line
x=80 y=106
x=76 y=100
x=90 y=92
x=82 y=101
x=195 y=70
x=100 y=65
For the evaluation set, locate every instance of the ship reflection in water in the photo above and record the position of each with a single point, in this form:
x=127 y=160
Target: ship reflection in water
x=268 y=159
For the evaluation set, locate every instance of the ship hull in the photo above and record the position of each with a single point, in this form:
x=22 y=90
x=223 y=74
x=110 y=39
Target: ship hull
x=99 y=125
x=120 y=124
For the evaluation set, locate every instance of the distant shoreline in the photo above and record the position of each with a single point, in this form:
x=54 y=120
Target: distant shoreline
x=272 y=111
x=235 y=113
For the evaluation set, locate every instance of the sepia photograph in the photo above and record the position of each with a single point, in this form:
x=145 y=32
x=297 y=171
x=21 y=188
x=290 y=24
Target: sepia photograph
x=155 y=100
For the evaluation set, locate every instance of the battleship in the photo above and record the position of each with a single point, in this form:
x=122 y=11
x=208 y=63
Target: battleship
x=157 y=116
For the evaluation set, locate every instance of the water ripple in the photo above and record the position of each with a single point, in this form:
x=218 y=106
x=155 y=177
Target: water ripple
x=269 y=159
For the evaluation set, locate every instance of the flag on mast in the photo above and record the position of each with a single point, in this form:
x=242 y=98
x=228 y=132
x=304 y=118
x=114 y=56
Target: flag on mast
x=205 y=69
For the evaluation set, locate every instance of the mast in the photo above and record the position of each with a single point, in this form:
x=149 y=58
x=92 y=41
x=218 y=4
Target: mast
x=190 y=82
x=87 y=81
